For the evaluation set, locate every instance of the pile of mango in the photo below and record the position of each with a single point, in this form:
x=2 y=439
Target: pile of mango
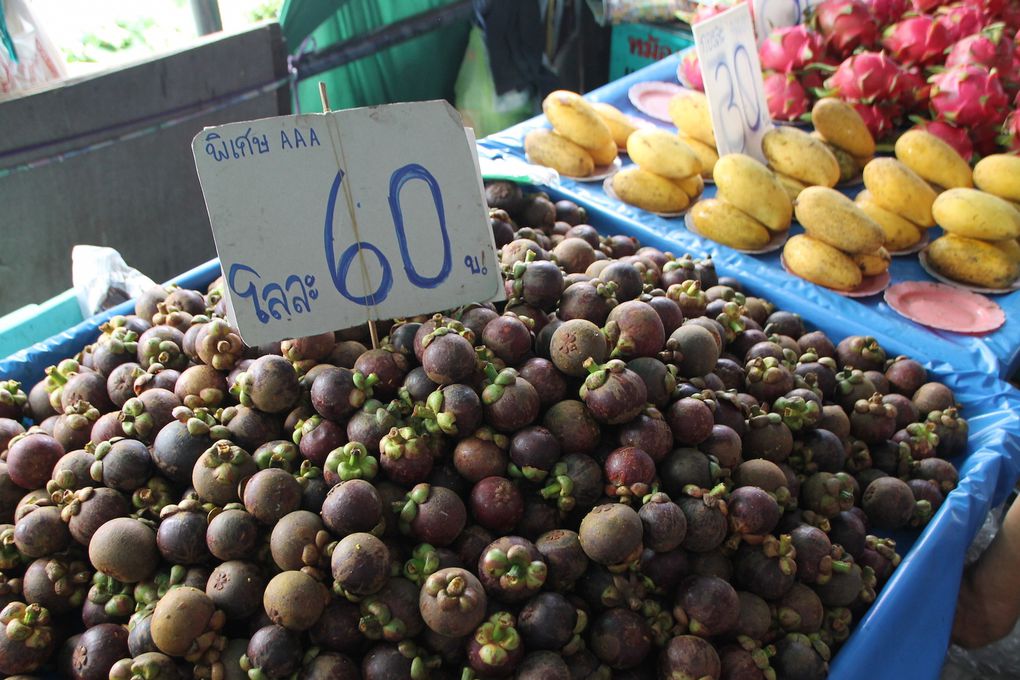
x=581 y=139
x=750 y=206
x=841 y=244
x=666 y=175
x=982 y=226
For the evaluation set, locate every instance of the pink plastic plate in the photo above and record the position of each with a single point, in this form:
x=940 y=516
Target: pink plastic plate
x=777 y=241
x=945 y=307
x=652 y=98
x=870 y=285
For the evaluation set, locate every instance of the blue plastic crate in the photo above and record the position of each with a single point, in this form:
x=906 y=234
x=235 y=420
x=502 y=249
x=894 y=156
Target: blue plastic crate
x=32 y=323
x=29 y=364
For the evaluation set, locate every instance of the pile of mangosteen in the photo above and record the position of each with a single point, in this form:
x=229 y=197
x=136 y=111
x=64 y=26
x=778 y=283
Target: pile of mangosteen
x=631 y=469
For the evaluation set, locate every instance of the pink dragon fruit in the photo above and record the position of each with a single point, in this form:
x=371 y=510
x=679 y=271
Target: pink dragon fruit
x=968 y=96
x=915 y=90
x=961 y=19
x=922 y=6
x=790 y=48
x=1009 y=137
x=786 y=97
x=846 y=25
x=989 y=48
x=690 y=69
x=987 y=137
x=877 y=117
x=1010 y=15
x=916 y=41
x=867 y=77
x=994 y=8
x=950 y=134
x=888 y=11
x=813 y=79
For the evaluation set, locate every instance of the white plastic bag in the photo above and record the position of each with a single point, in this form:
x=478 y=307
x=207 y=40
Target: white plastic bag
x=27 y=55
x=102 y=279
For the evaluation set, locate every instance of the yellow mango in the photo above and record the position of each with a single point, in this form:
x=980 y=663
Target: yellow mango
x=999 y=174
x=620 y=126
x=651 y=192
x=604 y=155
x=873 y=264
x=976 y=214
x=691 y=116
x=575 y=119
x=754 y=189
x=707 y=155
x=546 y=147
x=899 y=189
x=663 y=153
x=693 y=186
x=841 y=125
x=972 y=261
x=796 y=153
x=829 y=216
x=724 y=223
x=933 y=159
x=900 y=233
x=791 y=186
x=820 y=263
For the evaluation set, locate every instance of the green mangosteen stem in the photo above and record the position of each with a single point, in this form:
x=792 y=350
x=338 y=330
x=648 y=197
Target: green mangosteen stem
x=560 y=487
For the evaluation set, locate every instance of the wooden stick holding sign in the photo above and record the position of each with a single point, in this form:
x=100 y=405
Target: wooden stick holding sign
x=372 y=330
x=734 y=87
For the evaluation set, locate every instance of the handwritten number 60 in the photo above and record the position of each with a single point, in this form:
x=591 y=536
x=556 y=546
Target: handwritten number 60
x=340 y=269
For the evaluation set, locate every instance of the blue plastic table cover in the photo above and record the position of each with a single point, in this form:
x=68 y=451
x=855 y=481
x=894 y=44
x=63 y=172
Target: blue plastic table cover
x=997 y=352
x=906 y=631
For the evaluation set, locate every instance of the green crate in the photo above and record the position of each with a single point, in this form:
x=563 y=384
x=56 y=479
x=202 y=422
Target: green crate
x=634 y=46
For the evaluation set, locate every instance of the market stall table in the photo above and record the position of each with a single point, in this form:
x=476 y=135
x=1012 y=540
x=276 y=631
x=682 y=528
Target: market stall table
x=888 y=642
x=997 y=353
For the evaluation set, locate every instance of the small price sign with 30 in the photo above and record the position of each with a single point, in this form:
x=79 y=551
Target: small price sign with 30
x=324 y=221
x=731 y=70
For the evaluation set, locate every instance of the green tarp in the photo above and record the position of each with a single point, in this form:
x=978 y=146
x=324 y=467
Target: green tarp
x=421 y=68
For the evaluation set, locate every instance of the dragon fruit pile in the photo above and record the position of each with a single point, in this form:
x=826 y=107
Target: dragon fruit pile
x=950 y=68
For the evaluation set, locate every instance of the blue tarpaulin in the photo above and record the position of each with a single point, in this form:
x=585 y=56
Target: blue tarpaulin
x=997 y=352
x=905 y=633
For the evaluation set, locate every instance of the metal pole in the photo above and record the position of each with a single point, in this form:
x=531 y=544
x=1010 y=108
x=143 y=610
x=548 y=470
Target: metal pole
x=207 y=16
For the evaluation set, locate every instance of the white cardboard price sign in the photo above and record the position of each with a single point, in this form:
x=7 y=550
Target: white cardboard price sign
x=731 y=70
x=325 y=221
x=770 y=14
